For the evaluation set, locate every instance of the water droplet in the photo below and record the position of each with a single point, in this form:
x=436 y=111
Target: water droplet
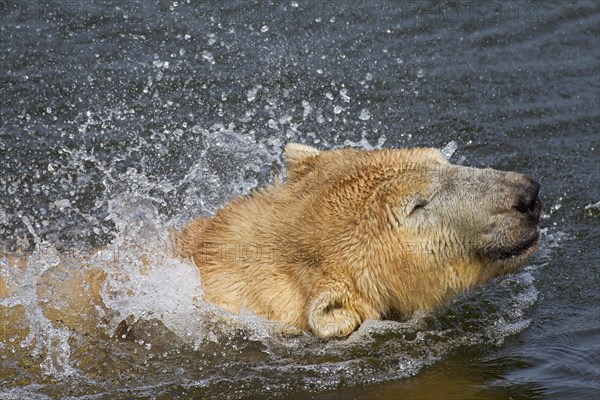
x=251 y=95
x=364 y=115
x=449 y=149
x=307 y=109
x=344 y=95
x=62 y=204
x=208 y=57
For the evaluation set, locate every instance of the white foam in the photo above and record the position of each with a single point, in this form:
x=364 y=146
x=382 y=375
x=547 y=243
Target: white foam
x=161 y=287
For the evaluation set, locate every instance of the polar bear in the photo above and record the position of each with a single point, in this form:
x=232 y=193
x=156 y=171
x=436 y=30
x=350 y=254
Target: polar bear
x=352 y=235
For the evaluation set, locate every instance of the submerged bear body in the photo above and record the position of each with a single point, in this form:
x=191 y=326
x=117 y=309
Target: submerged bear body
x=352 y=235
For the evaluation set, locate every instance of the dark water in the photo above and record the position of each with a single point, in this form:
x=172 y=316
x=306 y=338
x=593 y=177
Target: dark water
x=136 y=117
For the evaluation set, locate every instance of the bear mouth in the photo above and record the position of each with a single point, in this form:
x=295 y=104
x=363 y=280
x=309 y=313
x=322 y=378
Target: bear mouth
x=519 y=248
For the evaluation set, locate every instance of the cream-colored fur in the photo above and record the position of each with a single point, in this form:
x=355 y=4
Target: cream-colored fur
x=352 y=235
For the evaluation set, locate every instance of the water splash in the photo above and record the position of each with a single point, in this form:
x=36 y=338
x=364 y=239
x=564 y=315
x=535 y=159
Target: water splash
x=155 y=313
x=43 y=338
x=449 y=149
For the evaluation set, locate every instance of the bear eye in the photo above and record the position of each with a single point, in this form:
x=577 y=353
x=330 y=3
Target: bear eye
x=418 y=205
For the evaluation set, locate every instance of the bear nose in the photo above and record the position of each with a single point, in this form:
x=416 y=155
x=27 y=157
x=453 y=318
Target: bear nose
x=529 y=201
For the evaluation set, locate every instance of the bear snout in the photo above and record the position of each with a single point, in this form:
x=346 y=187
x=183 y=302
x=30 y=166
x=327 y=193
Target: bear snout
x=529 y=202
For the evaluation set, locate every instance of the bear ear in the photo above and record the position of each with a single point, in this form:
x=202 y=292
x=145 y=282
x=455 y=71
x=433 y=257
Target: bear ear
x=296 y=153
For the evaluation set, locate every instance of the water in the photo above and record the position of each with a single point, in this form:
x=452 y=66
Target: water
x=119 y=122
